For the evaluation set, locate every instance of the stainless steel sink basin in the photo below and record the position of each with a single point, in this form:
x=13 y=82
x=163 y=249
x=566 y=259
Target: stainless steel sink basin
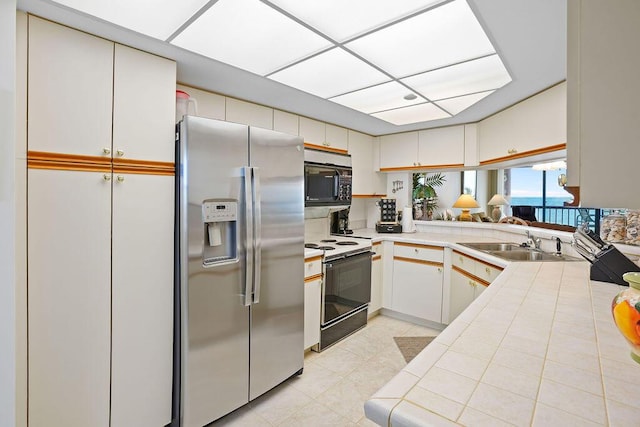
x=531 y=255
x=491 y=247
x=515 y=252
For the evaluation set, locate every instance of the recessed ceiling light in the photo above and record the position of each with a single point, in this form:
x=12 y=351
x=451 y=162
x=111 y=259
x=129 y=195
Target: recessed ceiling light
x=158 y=20
x=329 y=74
x=412 y=114
x=410 y=96
x=439 y=37
x=382 y=97
x=342 y=20
x=250 y=35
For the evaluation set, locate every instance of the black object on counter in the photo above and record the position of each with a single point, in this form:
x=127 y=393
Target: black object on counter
x=610 y=265
x=388 y=228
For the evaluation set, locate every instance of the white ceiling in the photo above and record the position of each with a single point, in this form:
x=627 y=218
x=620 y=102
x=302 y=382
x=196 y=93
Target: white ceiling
x=523 y=52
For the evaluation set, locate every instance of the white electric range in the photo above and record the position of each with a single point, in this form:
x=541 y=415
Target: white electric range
x=336 y=247
x=346 y=286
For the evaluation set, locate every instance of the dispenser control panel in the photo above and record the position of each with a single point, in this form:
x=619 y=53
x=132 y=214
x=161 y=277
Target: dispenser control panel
x=219 y=211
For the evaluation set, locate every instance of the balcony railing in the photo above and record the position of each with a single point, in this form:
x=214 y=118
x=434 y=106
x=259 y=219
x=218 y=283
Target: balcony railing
x=570 y=215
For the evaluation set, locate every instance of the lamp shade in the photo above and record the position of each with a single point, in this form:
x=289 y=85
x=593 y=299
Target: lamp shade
x=466 y=201
x=498 y=200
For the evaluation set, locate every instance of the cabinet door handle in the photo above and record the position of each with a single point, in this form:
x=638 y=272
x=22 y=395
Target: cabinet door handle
x=106 y=151
x=472 y=283
x=439 y=269
x=415 y=250
x=120 y=178
x=461 y=260
x=488 y=270
x=120 y=153
x=106 y=177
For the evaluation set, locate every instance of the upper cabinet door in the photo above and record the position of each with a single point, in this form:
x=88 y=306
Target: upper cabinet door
x=144 y=99
x=336 y=138
x=70 y=97
x=366 y=182
x=442 y=147
x=398 y=151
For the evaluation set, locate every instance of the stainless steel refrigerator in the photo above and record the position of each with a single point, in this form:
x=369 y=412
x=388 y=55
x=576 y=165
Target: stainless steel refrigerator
x=240 y=256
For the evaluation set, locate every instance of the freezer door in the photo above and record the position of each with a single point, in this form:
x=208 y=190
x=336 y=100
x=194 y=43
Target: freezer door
x=277 y=317
x=215 y=322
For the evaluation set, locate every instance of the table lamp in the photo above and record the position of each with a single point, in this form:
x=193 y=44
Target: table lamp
x=496 y=201
x=466 y=202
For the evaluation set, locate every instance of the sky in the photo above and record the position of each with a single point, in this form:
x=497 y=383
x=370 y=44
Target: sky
x=526 y=182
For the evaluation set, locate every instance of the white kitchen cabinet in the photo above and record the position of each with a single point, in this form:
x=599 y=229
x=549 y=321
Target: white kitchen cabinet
x=143 y=106
x=142 y=299
x=336 y=138
x=323 y=136
x=366 y=182
x=398 y=151
x=464 y=289
x=471 y=145
x=469 y=278
x=537 y=125
x=100 y=277
x=376 y=278
x=69 y=294
x=417 y=281
x=70 y=81
x=285 y=122
x=249 y=113
x=603 y=93
x=441 y=148
x=312 y=301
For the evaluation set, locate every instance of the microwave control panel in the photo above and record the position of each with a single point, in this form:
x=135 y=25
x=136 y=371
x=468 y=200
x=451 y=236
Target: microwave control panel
x=344 y=187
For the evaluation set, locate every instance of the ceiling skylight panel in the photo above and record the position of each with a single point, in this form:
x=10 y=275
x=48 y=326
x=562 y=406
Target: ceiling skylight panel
x=412 y=114
x=155 y=18
x=329 y=74
x=249 y=35
x=469 y=77
x=461 y=103
x=353 y=17
x=441 y=36
x=378 y=98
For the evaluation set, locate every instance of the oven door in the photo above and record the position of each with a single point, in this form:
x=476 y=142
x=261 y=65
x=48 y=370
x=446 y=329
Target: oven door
x=346 y=286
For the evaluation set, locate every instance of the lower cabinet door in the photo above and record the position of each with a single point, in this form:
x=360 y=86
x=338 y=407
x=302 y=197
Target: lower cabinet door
x=69 y=298
x=376 y=286
x=142 y=298
x=462 y=294
x=417 y=290
x=312 y=308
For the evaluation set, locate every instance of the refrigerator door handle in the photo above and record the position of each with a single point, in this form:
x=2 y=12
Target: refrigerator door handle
x=248 y=203
x=257 y=233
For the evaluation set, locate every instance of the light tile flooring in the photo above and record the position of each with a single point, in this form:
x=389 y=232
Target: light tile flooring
x=335 y=383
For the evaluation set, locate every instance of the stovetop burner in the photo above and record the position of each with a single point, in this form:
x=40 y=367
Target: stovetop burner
x=347 y=243
x=328 y=240
x=311 y=245
x=326 y=248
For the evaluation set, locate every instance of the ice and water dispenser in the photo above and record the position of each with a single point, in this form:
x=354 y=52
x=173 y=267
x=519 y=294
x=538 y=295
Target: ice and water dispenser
x=220 y=231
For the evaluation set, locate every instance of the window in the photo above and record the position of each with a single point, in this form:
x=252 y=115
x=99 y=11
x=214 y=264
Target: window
x=469 y=183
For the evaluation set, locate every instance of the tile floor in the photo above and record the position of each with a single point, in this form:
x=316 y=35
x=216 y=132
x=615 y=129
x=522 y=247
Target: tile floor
x=335 y=383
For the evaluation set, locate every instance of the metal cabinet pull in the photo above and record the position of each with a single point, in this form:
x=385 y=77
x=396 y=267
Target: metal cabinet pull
x=106 y=150
x=120 y=153
x=120 y=178
x=106 y=177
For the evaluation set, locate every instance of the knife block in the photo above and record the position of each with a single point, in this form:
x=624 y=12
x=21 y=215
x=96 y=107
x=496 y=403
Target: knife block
x=611 y=265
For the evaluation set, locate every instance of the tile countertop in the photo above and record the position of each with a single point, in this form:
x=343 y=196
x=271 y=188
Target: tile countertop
x=537 y=347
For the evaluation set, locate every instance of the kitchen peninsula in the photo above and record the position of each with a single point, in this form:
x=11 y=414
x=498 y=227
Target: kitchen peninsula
x=537 y=347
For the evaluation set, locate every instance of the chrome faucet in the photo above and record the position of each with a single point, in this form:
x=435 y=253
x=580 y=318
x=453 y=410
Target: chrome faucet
x=532 y=241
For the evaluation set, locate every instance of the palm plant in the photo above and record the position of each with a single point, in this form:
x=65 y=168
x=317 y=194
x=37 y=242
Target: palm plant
x=424 y=191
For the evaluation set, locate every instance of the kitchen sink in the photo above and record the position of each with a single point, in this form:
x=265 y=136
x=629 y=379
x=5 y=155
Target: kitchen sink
x=515 y=252
x=490 y=247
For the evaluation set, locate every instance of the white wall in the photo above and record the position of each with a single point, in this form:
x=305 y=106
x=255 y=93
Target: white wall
x=7 y=211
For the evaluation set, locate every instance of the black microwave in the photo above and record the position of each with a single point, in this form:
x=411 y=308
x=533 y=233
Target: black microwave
x=327 y=179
